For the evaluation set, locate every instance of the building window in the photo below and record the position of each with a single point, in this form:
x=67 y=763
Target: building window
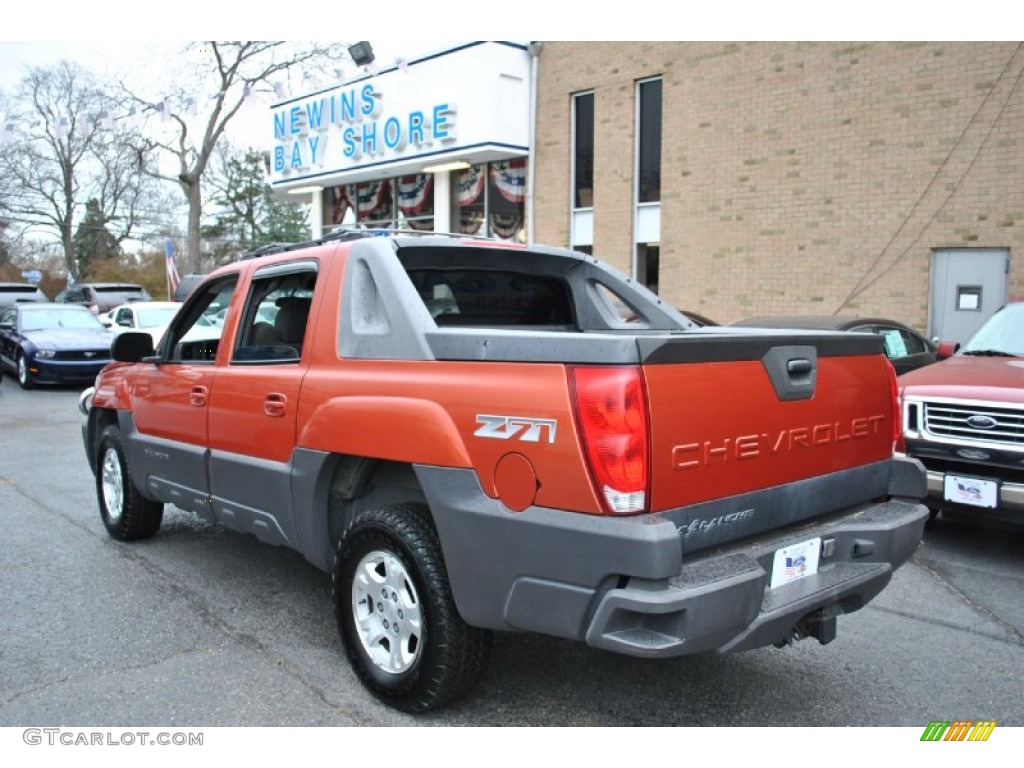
x=403 y=202
x=490 y=200
x=647 y=256
x=649 y=142
x=583 y=150
x=647 y=221
x=581 y=221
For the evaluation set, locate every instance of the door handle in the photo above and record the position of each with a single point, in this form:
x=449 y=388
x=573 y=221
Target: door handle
x=275 y=404
x=197 y=396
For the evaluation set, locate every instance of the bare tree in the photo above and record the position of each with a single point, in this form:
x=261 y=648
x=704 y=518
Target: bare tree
x=233 y=71
x=64 y=149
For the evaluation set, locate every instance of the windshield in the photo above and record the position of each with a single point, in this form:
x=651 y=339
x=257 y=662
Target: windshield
x=154 y=316
x=128 y=291
x=52 y=319
x=1002 y=334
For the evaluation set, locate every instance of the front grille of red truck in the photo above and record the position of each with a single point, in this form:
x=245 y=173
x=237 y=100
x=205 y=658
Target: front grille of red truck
x=973 y=422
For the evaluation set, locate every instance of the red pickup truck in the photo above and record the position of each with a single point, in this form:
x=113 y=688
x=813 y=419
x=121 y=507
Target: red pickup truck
x=963 y=419
x=473 y=436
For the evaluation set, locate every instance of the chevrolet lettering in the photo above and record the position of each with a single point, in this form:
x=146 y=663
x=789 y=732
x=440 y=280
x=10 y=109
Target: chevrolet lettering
x=693 y=455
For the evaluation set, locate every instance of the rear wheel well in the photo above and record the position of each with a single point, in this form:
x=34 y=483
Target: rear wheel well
x=99 y=419
x=360 y=483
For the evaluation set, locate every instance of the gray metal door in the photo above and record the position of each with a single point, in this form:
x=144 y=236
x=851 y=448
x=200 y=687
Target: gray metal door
x=968 y=285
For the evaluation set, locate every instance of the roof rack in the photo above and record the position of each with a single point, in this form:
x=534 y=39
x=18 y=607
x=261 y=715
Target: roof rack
x=265 y=250
x=357 y=233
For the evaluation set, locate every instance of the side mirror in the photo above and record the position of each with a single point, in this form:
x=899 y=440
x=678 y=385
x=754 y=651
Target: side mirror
x=946 y=349
x=131 y=347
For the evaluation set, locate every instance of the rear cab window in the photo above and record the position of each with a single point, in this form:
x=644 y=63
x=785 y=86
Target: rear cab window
x=494 y=298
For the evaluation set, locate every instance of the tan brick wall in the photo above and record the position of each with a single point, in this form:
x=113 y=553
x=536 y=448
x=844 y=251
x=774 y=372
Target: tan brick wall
x=796 y=177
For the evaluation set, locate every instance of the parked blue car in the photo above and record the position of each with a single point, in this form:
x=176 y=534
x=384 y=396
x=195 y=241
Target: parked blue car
x=44 y=343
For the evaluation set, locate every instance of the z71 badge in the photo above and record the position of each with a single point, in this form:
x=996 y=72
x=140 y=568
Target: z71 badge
x=524 y=428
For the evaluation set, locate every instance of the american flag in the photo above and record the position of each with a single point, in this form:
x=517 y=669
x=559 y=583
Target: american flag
x=172 y=271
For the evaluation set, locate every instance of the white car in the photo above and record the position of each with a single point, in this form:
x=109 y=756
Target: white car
x=150 y=316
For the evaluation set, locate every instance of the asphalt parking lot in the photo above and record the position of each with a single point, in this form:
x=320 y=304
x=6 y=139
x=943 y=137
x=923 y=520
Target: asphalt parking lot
x=202 y=627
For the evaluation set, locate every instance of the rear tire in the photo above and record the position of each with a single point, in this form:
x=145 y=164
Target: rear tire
x=126 y=513
x=402 y=632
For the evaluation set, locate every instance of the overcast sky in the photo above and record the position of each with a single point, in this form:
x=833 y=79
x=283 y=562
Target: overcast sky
x=251 y=127
x=111 y=36
x=107 y=58
x=108 y=34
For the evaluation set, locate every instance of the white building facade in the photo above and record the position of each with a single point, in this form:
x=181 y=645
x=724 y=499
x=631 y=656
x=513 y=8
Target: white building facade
x=441 y=143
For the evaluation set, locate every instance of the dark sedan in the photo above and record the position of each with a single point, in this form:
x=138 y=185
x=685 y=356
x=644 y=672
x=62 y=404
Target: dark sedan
x=52 y=344
x=906 y=348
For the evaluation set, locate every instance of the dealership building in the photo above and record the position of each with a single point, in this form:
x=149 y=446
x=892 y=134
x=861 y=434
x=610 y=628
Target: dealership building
x=734 y=179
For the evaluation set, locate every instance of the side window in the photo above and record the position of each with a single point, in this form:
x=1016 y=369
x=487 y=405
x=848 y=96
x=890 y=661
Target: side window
x=276 y=315
x=195 y=335
x=615 y=306
x=914 y=344
x=898 y=343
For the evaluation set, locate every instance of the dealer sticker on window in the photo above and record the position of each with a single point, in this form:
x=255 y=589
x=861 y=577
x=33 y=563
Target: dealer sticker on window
x=971 y=490
x=795 y=562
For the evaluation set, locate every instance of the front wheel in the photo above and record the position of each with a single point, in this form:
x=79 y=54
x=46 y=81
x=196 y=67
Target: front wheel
x=24 y=377
x=396 y=615
x=126 y=513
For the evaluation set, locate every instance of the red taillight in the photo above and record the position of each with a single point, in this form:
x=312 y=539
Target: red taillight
x=897 y=411
x=611 y=415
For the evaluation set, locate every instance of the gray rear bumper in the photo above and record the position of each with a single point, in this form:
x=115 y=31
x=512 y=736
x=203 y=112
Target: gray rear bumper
x=624 y=585
x=722 y=602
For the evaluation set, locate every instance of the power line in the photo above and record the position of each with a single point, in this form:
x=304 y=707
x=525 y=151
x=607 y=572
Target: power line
x=862 y=286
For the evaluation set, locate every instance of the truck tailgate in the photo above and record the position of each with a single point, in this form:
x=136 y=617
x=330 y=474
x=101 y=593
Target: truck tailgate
x=735 y=414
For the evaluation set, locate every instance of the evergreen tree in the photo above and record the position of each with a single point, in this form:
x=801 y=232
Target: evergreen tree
x=92 y=240
x=5 y=248
x=248 y=214
x=284 y=222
